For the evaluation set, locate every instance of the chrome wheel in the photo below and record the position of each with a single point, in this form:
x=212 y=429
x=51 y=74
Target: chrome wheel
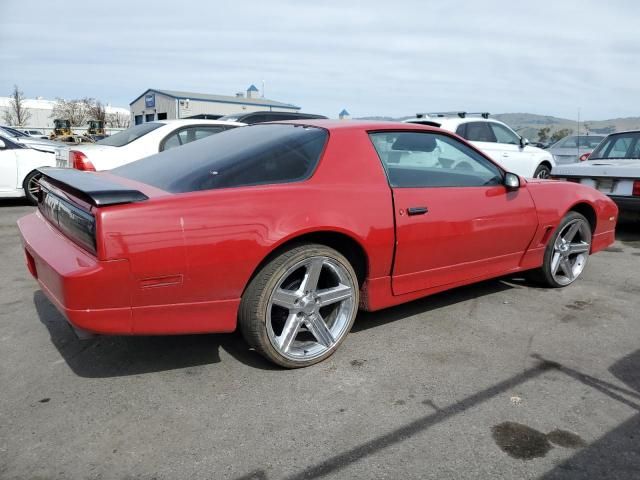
x=32 y=187
x=311 y=308
x=570 y=251
x=542 y=172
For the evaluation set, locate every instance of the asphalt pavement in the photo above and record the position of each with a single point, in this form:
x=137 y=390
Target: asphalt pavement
x=502 y=379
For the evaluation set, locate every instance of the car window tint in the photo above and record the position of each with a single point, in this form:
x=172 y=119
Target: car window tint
x=415 y=159
x=254 y=155
x=590 y=141
x=504 y=135
x=621 y=145
x=187 y=135
x=479 y=132
x=129 y=135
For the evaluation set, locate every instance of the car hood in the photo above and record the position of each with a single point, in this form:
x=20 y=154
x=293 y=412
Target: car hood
x=601 y=168
x=38 y=144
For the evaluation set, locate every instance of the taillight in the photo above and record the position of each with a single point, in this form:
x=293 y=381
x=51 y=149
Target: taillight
x=636 y=188
x=80 y=161
x=585 y=156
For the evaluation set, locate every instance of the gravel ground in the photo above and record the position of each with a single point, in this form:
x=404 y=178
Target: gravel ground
x=495 y=380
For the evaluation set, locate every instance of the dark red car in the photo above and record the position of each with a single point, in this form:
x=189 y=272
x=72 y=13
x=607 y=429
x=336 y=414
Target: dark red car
x=287 y=229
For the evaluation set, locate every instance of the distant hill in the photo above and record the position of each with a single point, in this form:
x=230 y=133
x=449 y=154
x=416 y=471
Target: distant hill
x=528 y=124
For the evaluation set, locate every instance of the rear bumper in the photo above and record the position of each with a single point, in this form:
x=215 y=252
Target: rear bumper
x=95 y=296
x=628 y=204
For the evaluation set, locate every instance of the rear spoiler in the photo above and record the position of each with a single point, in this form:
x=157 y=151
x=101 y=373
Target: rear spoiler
x=91 y=187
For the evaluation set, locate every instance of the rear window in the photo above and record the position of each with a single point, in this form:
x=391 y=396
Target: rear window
x=254 y=155
x=620 y=146
x=129 y=135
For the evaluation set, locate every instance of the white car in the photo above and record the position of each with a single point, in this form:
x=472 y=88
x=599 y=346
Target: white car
x=18 y=164
x=613 y=168
x=35 y=134
x=495 y=139
x=137 y=142
x=17 y=136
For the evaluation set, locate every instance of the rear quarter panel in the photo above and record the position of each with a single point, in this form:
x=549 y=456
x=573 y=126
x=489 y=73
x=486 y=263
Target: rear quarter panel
x=206 y=245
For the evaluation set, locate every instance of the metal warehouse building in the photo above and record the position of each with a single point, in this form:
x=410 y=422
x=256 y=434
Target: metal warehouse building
x=157 y=104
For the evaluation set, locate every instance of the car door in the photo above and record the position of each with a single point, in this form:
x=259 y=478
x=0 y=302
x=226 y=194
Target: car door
x=515 y=156
x=455 y=220
x=8 y=167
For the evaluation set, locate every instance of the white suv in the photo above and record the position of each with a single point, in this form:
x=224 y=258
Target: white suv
x=495 y=139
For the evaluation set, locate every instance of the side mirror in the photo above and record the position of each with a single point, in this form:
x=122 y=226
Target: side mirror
x=523 y=142
x=2 y=144
x=511 y=181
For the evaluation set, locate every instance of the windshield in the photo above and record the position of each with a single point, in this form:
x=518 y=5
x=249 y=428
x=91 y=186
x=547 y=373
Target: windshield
x=620 y=146
x=13 y=132
x=255 y=155
x=582 y=141
x=229 y=118
x=131 y=134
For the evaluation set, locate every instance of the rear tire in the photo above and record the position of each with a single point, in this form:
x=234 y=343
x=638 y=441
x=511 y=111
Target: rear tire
x=567 y=252
x=30 y=186
x=300 y=306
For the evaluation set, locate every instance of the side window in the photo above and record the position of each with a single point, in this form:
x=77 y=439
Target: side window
x=256 y=118
x=462 y=130
x=416 y=159
x=620 y=147
x=479 y=132
x=504 y=135
x=7 y=144
x=188 y=135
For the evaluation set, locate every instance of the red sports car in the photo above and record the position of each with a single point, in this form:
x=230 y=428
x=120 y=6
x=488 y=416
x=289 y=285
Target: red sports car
x=287 y=229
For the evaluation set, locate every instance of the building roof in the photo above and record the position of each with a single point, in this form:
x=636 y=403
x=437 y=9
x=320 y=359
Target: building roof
x=344 y=112
x=205 y=97
x=252 y=88
x=44 y=104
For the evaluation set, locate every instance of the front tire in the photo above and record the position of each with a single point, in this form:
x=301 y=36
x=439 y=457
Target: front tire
x=567 y=253
x=300 y=306
x=31 y=187
x=543 y=171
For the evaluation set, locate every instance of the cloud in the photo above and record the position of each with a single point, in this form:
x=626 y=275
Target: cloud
x=372 y=57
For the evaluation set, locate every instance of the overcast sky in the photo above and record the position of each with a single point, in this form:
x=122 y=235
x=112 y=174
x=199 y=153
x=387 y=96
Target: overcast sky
x=372 y=57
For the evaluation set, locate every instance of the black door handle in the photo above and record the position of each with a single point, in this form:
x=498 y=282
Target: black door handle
x=417 y=210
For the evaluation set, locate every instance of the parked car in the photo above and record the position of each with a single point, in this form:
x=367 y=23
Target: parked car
x=574 y=148
x=286 y=229
x=23 y=139
x=495 y=139
x=137 y=142
x=36 y=134
x=613 y=168
x=18 y=168
x=259 y=117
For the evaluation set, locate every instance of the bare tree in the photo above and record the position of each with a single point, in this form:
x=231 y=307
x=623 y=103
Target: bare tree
x=118 y=120
x=75 y=111
x=17 y=114
x=95 y=109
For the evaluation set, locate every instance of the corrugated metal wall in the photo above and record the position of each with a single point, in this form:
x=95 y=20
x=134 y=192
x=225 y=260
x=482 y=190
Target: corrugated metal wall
x=165 y=104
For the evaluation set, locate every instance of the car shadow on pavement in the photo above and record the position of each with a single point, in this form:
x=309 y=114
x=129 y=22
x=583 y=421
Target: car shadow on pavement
x=367 y=320
x=615 y=455
x=15 y=202
x=628 y=233
x=118 y=356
